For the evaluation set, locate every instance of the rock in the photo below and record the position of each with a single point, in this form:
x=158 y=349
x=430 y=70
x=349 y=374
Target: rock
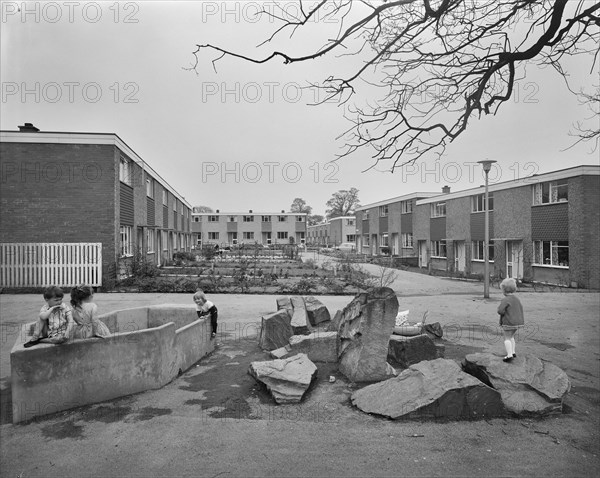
x=405 y=351
x=275 y=330
x=434 y=330
x=335 y=322
x=281 y=352
x=300 y=322
x=527 y=385
x=430 y=389
x=284 y=303
x=287 y=379
x=364 y=332
x=318 y=346
x=316 y=310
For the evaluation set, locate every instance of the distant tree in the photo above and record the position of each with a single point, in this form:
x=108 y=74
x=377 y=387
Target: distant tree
x=315 y=219
x=202 y=209
x=299 y=205
x=342 y=203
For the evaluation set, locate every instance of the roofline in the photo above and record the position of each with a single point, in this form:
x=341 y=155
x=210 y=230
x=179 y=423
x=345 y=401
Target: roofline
x=404 y=197
x=249 y=214
x=589 y=170
x=59 y=137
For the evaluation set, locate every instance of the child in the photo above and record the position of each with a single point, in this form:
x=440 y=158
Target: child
x=84 y=314
x=55 y=322
x=206 y=307
x=511 y=316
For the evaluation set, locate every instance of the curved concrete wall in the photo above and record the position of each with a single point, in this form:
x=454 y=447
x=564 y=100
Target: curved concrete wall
x=150 y=346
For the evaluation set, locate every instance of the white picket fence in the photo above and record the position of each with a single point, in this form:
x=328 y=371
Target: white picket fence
x=44 y=264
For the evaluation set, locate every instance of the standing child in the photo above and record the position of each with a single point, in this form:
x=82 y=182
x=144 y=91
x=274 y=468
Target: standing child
x=511 y=316
x=55 y=322
x=85 y=312
x=205 y=307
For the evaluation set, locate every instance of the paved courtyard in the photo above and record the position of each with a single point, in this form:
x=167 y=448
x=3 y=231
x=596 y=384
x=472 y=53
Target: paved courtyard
x=215 y=421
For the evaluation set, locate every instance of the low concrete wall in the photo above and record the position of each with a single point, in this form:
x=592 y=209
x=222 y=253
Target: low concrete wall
x=50 y=378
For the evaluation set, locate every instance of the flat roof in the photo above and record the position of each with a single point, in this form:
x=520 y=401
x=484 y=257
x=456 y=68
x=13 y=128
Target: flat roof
x=249 y=213
x=404 y=197
x=57 y=137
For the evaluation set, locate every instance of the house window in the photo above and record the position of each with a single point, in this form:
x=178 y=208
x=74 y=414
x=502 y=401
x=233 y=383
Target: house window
x=350 y=237
x=199 y=240
x=196 y=219
x=125 y=171
x=175 y=205
x=438 y=249
x=366 y=242
x=299 y=218
x=266 y=219
x=150 y=188
x=282 y=218
x=407 y=239
x=384 y=240
x=165 y=240
x=383 y=211
x=213 y=236
x=213 y=218
x=282 y=235
x=477 y=250
x=406 y=207
x=550 y=192
x=126 y=246
x=149 y=240
x=349 y=222
x=365 y=214
x=438 y=209
x=248 y=218
x=551 y=253
x=232 y=219
x=248 y=235
x=165 y=197
x=478 y=202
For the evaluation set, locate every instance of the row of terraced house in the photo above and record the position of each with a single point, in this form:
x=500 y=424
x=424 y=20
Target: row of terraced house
x=542 y=228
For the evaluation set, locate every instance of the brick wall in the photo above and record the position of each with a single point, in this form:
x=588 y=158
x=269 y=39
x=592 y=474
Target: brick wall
x=59 y=193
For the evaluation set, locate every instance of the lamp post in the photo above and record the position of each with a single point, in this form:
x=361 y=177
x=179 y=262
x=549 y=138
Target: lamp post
x=486 y=165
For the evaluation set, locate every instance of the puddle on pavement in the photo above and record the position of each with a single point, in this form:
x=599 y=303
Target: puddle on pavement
x=147 y=413
x=558 y=345
x=62 y=430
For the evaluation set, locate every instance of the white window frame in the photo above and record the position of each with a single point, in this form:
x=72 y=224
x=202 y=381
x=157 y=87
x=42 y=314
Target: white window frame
x=150 y=187
x=438 y=209
x=150 y=246
x=439 y=249
x=478 y=202
x=407 y=240
x=406 y=207
x=126 y=241
x=366 y=242
x=539 y=248
x=165 y=240
x=281 y=218
x=165 y=197
x=299 y=218
x=213 y=235
x=213 y=218
x=384 y=211
x=554 y=190
x=477 y=250
x=266 y=219
x=125 y=168
x=248 y=235
x=282 y=235
x=248 y=219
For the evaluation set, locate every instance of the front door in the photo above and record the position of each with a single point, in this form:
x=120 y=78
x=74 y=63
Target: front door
x=514 y=259
x=423 y=259
x=459 y=256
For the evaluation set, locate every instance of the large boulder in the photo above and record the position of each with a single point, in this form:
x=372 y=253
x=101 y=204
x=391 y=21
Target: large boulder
x=284 y=303
x=430 y=389
x=300 y=323
x=318 y=346
x=364 y=332
x=527 y=385
x=287 y=379
x=316 y=310
x=275 y=330
x=334 y=325
x=405 y=351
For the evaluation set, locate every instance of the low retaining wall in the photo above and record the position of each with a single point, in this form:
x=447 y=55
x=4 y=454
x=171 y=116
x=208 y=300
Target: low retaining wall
x=150 y=346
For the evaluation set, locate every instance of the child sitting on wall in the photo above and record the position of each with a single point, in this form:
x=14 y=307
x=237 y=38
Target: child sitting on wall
x=205 y=307
x=84 y=314
x=55 y=322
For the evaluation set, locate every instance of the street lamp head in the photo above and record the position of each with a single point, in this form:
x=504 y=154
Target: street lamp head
x=486 y=164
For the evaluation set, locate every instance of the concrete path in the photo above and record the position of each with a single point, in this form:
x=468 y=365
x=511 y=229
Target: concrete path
x=215 y=421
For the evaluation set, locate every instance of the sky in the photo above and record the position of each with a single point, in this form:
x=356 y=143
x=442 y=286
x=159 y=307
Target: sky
x=246 y=136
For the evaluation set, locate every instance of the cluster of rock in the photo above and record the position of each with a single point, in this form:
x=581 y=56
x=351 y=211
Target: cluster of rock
x=412 y=379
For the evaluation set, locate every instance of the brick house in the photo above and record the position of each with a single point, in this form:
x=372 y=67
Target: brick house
x=231 y=228
x=60 y=187
x=333 y=232
x=542 y=228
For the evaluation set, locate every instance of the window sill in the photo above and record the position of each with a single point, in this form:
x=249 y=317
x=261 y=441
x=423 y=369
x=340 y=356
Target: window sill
x=491 y=261
x=550 y=203
x=550 y=266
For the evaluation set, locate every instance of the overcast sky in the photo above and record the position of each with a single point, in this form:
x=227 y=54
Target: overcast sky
x=245 y=137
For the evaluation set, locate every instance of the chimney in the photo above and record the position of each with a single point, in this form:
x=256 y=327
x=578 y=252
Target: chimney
x=283 y=211
x=250 y=211
x=446 y=190
x=217 y=211
x=28 y=128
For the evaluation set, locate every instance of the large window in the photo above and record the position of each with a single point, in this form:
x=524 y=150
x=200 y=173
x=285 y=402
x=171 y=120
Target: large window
x=550 y=192
x=165 y=196
x=213 y=236
x=438 y=209
x=407 y=239
x=126 y=244
x=282 y=218
x=383 y=211
x=125 y=171
x=349 y=222
x=248 y=218
x=478 y=202
x=477 y=250
x=266 y=219
x=384 y=242
x=406 y=207
x=213 y=218
x=551 y=253
x=299 y=218
x=282 y=235
x=248 y=235
x=150 y=188
x=438 y=249
x=365 y=214
x=350 y=237
x=365 y=240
